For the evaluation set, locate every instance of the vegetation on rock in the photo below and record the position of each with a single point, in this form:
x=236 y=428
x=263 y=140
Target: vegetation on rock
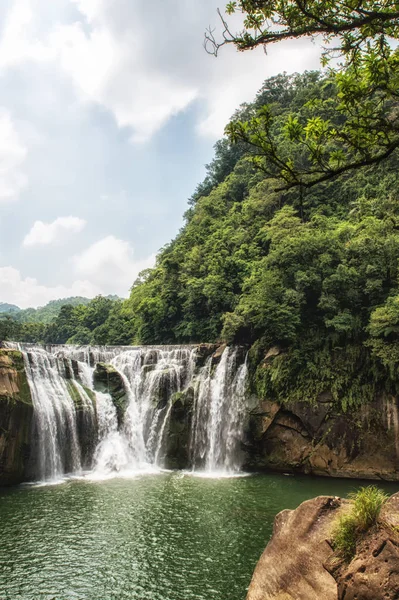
x=363 y=513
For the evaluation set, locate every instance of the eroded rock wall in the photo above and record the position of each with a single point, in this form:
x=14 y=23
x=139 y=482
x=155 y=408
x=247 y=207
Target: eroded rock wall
x=16 y=413
x=317 y=438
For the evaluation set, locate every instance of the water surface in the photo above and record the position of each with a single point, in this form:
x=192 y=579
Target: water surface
x=157 y=537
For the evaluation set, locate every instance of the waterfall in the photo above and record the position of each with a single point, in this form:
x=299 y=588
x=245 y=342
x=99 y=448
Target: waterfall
x=81 y=428
x=56 y=438
x=112 y=452
x=219 y=415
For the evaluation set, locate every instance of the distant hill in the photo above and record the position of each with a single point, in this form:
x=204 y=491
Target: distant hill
x=44 y=314
x=8 y=308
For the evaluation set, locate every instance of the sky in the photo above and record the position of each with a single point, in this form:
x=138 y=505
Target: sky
x=109 y=111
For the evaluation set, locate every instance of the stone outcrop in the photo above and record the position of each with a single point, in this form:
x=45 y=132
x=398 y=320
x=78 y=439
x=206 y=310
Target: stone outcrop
x=299 y=562
x=291 y=567
x=321 y=440
x=108 y=380
x=16 y=413
x=178 y=434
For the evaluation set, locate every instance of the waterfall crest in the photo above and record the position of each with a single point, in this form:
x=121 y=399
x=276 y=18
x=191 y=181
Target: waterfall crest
x=81 y=428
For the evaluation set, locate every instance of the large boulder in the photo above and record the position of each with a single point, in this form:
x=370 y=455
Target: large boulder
x=107 y=379
x=16 y=413
x=299 y=562
x=291 y=567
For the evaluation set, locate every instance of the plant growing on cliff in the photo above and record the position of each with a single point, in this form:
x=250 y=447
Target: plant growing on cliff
x=363 y=514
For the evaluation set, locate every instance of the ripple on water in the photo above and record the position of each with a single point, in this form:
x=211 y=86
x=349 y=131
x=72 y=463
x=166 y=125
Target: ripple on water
x=158 y=537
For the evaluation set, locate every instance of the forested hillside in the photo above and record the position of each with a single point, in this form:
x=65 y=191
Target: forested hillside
x=313 y=273
x=60 y=320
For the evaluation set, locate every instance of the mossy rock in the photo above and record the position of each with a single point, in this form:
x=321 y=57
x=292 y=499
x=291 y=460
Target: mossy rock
x=179 y=428
x=16 y=413
x=86 y=422
x=14 y=385
x=108 y=380
x=182 y=402
x=77 y=398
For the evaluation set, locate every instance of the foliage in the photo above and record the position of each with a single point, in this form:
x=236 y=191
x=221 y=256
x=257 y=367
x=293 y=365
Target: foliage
x=355 y=122
x=98 y=321
x=345 y=536
x=8 y=308
x=366 y=506
x=315 y=275
x=367 y=503
x=351 y=25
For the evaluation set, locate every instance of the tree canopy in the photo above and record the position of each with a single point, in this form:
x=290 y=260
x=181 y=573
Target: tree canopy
x=355 y=122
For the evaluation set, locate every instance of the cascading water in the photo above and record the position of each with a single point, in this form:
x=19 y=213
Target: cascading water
x=56 y=439
x=219 y=415
x=78 y=428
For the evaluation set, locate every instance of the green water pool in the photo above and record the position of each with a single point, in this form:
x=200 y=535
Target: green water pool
x=168 y=536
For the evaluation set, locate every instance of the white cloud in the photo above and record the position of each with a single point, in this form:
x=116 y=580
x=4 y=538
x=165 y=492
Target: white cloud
x=19 y=41
x=144 y=62
x=106 y=267
x=12 y=156
x=55 y=232
x=28 y=292
x=110 y=265
x=114 y=73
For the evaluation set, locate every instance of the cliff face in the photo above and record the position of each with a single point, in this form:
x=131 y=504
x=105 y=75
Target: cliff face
x=319 y=439
x=299 y=562
x=16 y=412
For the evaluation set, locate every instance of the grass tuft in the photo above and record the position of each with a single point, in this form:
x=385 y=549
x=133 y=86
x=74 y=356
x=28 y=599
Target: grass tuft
x=366 y=506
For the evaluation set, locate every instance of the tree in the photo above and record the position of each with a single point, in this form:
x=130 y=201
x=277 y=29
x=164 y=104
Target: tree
x=356 y=123
x=270 y=21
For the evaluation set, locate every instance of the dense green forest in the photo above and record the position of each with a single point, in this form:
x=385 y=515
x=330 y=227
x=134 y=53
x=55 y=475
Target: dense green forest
x=58 y=321
x=312 y=273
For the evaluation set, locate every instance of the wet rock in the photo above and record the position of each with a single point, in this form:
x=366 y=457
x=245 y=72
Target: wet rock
x=71 y=369
x=217 y=355
x=203 y=352
x=178 y=435
x=16 y=414
x=150 y=357
x=107 y=379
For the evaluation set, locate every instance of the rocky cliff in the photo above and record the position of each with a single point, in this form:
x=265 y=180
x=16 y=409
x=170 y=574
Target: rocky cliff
x=299 y=562
x=319 y=438
x=16 y=412
x=322 y=435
